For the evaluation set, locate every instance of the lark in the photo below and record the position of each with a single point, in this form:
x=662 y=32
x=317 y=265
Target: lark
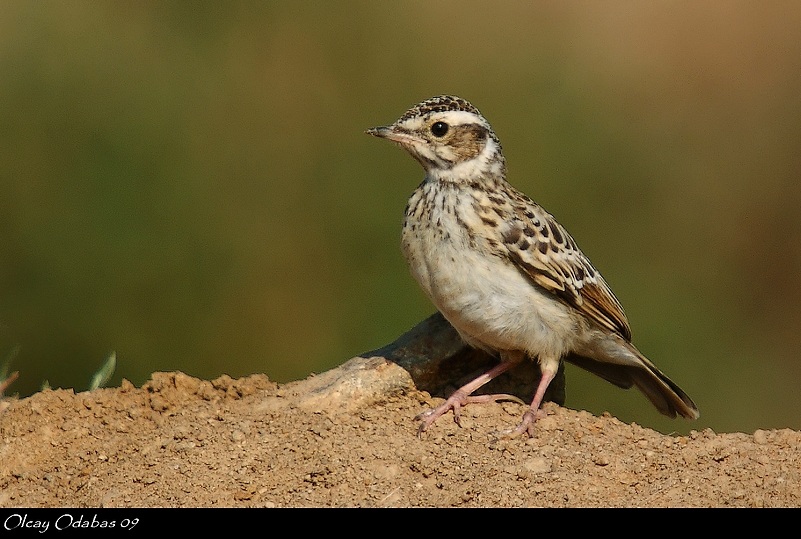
x=506 y=275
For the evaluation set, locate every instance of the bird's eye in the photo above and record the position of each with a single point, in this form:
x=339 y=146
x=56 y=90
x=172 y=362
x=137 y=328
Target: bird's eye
x=439 y=129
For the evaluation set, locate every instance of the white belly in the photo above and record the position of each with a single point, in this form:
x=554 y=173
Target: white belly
x=485 y=297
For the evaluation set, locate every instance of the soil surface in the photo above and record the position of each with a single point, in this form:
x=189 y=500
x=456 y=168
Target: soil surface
x=348 y=438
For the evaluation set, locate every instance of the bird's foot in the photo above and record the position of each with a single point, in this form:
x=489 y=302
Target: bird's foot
x=526 y=425
x=455 y=402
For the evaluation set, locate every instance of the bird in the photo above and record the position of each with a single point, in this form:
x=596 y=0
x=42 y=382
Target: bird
x=505 y=274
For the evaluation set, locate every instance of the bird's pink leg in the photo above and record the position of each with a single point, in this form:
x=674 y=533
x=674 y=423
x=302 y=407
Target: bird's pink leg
x=461 y=397
x=533 y=413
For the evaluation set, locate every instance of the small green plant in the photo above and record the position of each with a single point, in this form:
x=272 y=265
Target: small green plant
x=7 y=379
x=103 y=375
x=99 y=379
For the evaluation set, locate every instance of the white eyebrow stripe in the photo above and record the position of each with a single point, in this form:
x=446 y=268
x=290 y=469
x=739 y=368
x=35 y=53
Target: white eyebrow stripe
x=456 y=117
x=450 y=117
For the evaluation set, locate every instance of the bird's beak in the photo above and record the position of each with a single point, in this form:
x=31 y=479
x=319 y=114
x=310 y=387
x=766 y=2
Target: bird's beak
x=382 y=131
x=390 y=132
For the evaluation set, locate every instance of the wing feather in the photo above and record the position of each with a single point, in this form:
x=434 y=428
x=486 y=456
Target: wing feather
x=549 y=256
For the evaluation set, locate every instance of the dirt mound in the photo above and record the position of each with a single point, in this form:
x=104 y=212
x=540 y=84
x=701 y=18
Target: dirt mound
x=348 y=438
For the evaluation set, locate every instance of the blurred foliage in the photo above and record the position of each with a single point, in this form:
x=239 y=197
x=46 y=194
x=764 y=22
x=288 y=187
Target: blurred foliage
x=188 y=183
x=104 y=373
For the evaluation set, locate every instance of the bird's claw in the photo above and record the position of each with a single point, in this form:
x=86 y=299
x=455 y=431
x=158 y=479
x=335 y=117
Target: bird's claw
x=455 y=402
x=526 y=424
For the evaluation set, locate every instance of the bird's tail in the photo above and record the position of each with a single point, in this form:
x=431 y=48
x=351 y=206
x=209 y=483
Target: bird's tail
x=638 y=371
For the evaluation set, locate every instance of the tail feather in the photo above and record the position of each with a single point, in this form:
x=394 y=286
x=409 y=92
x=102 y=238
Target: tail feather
x=663 y=393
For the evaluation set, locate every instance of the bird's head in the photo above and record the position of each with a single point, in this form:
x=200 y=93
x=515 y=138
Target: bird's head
x=449 y=137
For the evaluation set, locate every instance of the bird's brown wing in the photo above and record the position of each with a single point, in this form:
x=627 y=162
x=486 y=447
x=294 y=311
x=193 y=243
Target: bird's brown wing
x=544 y=251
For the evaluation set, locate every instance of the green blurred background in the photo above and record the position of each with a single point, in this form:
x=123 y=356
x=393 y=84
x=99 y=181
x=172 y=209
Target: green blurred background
x=189 y=184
